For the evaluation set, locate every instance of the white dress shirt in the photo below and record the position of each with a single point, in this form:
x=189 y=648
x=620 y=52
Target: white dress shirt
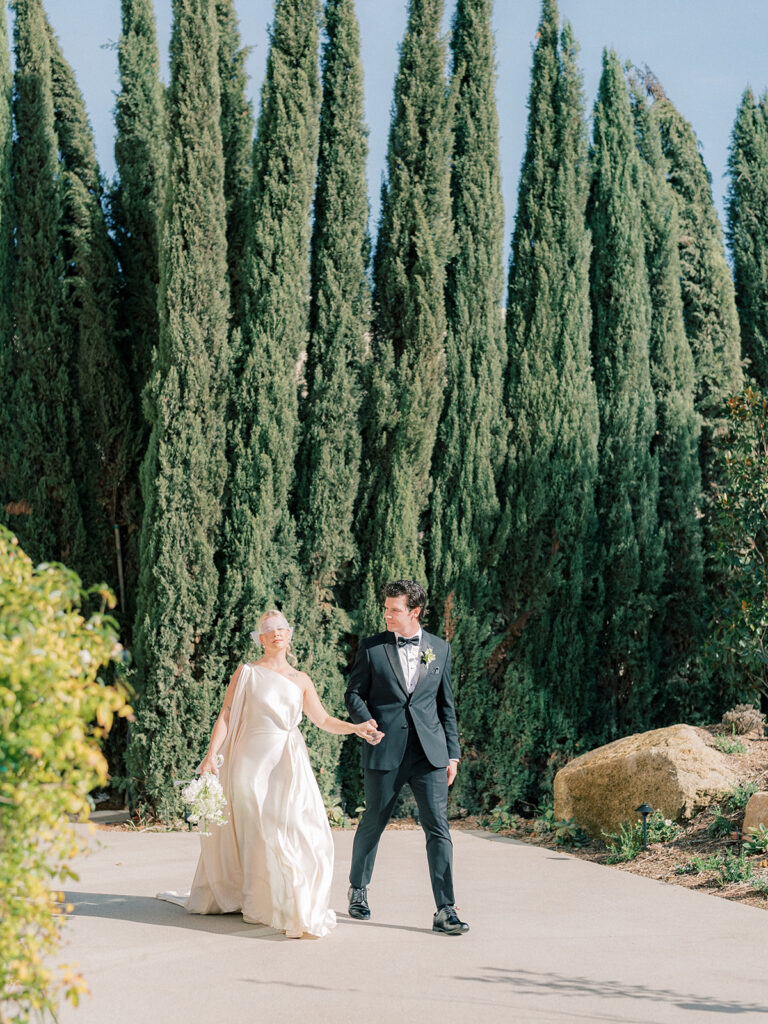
x=409 y=661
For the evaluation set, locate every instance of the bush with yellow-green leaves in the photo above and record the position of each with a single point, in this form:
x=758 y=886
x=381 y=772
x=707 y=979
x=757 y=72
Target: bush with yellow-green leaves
x=54 y=711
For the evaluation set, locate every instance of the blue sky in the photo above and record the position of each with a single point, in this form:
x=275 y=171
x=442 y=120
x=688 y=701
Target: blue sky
x=704 y=52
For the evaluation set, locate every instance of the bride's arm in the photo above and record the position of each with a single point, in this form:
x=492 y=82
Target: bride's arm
x=316 y=713
x=221 y=726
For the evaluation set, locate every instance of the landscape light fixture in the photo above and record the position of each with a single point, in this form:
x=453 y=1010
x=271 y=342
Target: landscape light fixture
x=645 y=810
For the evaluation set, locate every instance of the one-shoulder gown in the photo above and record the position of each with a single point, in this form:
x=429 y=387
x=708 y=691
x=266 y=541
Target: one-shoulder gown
x=274 y=859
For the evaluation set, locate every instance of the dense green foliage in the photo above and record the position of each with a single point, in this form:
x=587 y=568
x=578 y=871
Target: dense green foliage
x=328 y=467
x=54 y=710
x=543 y=670
x=739 y=639
x=709 y=306
x=679 y=623
x=405 y=389
x=748 y=229
x=184 y=469
x=630 y=549
x=136 y=205
x=47 y=456
x=473 y=428
x=237 y=143
x=259 y=545
x=6 y=260
x=89 y=313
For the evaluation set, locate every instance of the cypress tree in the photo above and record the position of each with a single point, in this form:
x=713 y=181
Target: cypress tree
x=329 y=455
x=46 y=457
x=184 y=469
x=682 y=602
x=628 y=488
x=89 y=311
x=136 y=207
x=141 y=155
x=472 y=431
x=709 y=307
x=7 y=361
x=259 y=566
x=544 y=667
x=237 y=140
x=413 y=246
x=747 y=211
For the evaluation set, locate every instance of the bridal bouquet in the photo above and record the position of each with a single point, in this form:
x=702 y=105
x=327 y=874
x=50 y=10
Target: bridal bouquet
x=206 y=801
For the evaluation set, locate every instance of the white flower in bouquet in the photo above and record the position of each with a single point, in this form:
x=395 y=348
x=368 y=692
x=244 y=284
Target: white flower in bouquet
x=206 y=801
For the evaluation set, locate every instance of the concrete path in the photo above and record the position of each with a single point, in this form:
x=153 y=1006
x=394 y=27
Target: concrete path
x=553 y=939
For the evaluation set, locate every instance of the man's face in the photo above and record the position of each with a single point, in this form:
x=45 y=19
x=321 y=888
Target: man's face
x=399 y=617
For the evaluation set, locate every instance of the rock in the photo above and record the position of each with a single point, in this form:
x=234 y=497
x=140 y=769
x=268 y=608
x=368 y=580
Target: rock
x=675 y=770
x=756 y=813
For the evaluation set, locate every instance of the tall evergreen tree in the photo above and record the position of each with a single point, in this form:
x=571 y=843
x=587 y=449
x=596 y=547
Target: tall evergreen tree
x=329 y=455
x=414 y=244
x=237 y=139
x=472 y=431
x=90 y=310
x=141 y=154
x=709 y=307
x=259 y=566
x=137 y=201
x=46 y=454
x=682 y=604
x=748 y=228
x=7 y=361
x=628 y=487
x=544 y=669
x=184 y=469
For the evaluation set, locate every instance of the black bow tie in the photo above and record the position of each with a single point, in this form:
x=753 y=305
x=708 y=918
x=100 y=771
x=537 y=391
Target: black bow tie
x=402 y=641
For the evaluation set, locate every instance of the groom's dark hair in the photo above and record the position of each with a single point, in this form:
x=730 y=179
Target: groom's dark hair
x=415 y=594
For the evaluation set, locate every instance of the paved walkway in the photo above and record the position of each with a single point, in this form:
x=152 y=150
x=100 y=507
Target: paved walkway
x=553 y=939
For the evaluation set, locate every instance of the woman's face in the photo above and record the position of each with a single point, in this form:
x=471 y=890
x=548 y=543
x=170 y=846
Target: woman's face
x=274 y=640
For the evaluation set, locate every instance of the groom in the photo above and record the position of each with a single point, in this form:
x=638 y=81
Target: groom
x=402 y=679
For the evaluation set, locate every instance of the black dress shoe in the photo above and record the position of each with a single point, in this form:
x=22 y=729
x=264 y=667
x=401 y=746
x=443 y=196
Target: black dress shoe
x=446 y=921
x=358 y=903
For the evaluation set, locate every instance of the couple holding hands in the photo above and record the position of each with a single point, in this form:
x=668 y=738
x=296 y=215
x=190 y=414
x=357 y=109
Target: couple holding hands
x=274 y=861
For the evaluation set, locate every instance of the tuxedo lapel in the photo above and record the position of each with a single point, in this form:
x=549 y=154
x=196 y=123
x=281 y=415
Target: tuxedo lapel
x=423 y=666
x=394 y=661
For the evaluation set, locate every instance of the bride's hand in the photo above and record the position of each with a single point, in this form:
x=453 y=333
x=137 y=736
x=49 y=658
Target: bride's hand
x=208 y=764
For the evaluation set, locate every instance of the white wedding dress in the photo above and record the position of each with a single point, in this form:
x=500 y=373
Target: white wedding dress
x=274 y=859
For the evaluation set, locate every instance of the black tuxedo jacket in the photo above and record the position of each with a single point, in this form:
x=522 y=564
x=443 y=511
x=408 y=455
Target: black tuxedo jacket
x=377 y=690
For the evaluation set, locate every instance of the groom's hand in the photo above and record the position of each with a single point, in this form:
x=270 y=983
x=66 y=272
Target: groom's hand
x=453 y=767
x=373 y=736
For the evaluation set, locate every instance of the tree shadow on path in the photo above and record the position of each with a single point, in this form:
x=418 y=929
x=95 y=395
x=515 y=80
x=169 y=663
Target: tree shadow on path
x=535 y=983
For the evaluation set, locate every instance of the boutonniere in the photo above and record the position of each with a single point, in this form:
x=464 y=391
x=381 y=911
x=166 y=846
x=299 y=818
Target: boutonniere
x=428 y=656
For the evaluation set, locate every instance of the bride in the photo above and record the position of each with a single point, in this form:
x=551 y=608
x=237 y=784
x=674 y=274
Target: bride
x=274 y=859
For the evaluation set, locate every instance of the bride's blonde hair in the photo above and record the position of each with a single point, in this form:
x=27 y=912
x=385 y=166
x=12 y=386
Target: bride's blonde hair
x=268 y=614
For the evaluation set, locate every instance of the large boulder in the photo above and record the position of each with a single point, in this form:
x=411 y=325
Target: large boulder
x=675 y=770
x=756 y=813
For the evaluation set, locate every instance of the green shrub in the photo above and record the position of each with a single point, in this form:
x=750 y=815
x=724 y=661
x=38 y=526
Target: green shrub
x=757 y=841
x=625 y=844
x=568 y=833
x=738 y=798
x=720 y=825
x=730 y=745
x=734 y=869
x=698 y=865
x=54 y=710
